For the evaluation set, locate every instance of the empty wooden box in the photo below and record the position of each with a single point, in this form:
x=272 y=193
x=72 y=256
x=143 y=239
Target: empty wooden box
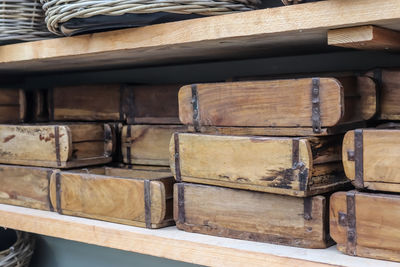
x=147 y=144
x=299 y=107
x=61 y=146
x=156 y=104
x=25 y=186
x=371 y=159
x=242 y=214
x=133 y=197
x=365 y=224
x=290 y=166
x=12 y=106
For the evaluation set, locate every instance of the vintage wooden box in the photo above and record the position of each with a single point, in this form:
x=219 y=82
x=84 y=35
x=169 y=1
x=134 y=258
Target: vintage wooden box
x=147 y=144
x=25 y=186
x=60 y=146
x=294 y=107
x=157 y=104
x=366 y=224
x=290 y=166
x=134 y=197
x=371 y=158
x=388 y=81
x=242 y=214
x=12 y=106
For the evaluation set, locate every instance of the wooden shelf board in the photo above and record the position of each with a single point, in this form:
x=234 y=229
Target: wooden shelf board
x=174 y=244
x=274 y=31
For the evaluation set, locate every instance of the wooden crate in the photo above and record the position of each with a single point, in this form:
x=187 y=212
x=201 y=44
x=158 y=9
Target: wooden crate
x=366 y=224
x=290 y=166
x=133 y=197
x=147 y=144
x=12 y=106
x=295 y=107
x=371 y=159
x=388 y=81
x=242 y=214
x=25 y=186
x=157 y=104
x=59 y=145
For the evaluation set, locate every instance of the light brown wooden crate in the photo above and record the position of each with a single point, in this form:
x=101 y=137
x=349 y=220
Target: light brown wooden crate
x=251 y=215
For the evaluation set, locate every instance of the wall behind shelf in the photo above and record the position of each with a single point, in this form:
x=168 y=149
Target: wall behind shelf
x=56 y=252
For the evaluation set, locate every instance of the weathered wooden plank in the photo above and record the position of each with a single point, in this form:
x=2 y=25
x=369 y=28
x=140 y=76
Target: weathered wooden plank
x=218 y=37
x=25 y=186
x=376 y=234
x=139 y=198
x=12 y=105
x=379 y=156
x=289 y=166
x=270 y=218
x=114 y=102
x=147 y=144
x=61 y=146
x=279 y=103
x=365 y=38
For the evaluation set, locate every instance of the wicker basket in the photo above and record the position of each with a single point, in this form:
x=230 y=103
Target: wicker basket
x=61 y=11
x=19 y=248
x=22 y=20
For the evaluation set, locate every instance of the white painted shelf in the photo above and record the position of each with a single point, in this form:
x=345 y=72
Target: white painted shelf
x=174 y=244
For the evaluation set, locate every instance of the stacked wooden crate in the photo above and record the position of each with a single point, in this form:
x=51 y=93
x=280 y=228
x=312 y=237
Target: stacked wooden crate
x=263 y=157
x=80 y=128
x=364 y=222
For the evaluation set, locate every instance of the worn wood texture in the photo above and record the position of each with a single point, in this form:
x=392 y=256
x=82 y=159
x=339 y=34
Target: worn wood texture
x=25 y=186
x=389 y=87
x=147 y=144
x=377 y=218
x=61 y=146
x=271 y=164
x=365 y=38
x=115 y=195
x=380 y=159
x=155 y=104
x=205 y=39
x=12 y=106
x=276 y=131
x=115 y=102
x=277 y=103
x=269 y=217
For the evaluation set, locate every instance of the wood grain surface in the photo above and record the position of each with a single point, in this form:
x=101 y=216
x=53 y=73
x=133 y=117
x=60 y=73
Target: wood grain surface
x=376 y=216
x=268 y=217
x=259 y=163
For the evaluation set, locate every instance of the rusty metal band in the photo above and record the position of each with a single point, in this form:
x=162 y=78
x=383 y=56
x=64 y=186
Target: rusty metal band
x=178 y=176
x=195 y=103
x=50 y=103
x=316 y=109
x=308 y=208
x=128 y=146
x=181 y=203
x=49 y=173
x=58 y=192
x=379 y=88
x=297 y=165
x=358 y=158
x=147 y=203
x=295 y=152
x=127 y=109
x=57 y=144
x=351 y=223
x=121 y=102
